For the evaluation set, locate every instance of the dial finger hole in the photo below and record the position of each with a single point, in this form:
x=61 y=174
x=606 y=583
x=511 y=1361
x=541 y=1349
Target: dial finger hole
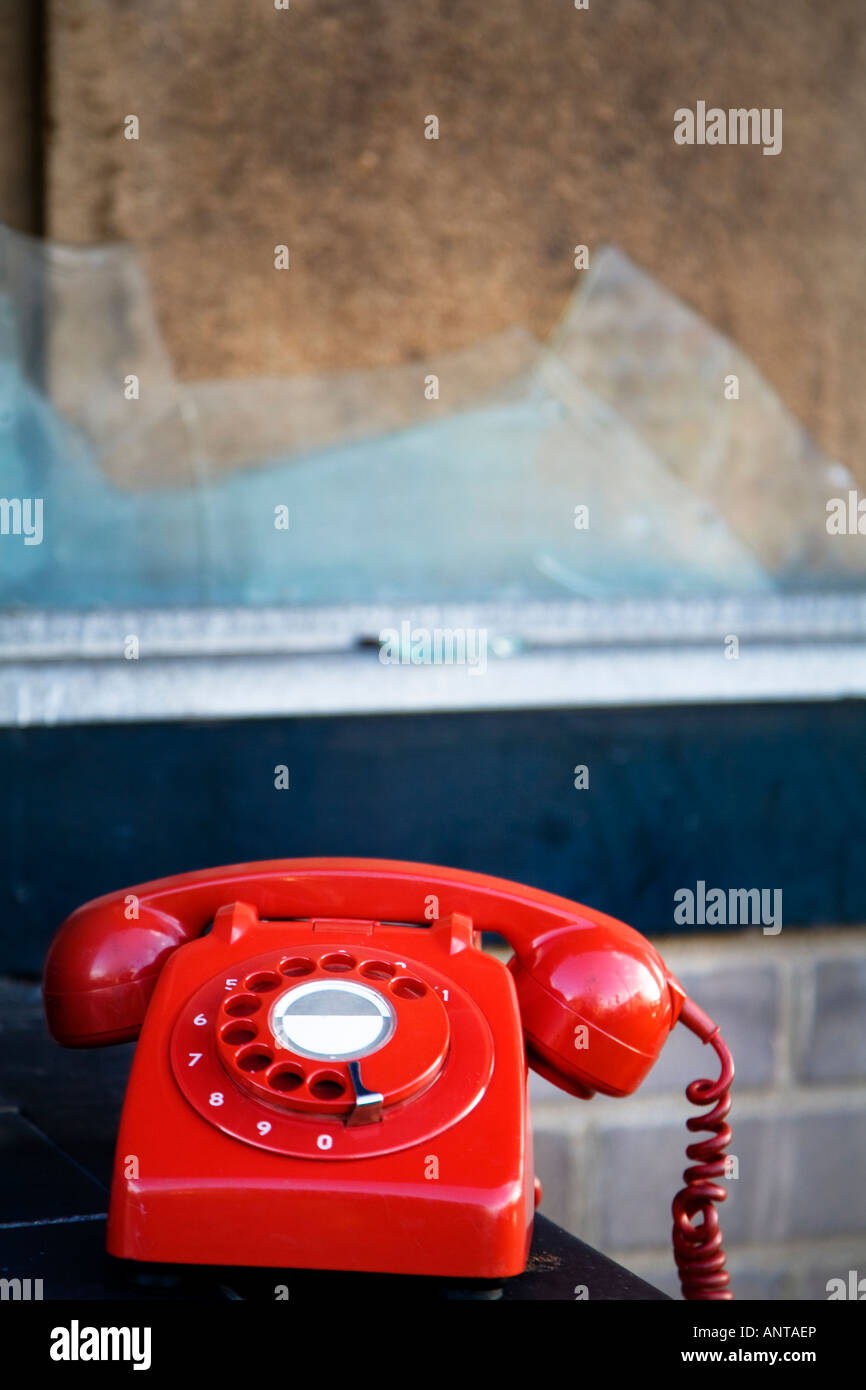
x=377 y=970
x=285 y=1079
x=236 y=1034
x=242 y=1005
x=338 y=962
x=407 y=987
x=254 y=1059
x=262 y=981
x=297 y=965
x=327 y=1085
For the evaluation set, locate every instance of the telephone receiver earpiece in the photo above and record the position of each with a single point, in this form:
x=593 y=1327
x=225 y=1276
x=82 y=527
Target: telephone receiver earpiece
x=597 y=1002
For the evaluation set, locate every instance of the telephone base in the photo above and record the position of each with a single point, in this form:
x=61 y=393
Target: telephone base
x=456 y=1234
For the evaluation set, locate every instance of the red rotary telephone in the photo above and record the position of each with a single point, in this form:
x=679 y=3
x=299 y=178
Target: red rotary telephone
x=320 y=1084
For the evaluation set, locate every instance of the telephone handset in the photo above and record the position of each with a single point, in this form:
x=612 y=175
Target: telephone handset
x=334 y=1075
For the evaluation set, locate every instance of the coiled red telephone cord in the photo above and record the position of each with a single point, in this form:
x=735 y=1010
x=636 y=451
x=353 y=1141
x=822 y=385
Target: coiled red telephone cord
x=698 y=1249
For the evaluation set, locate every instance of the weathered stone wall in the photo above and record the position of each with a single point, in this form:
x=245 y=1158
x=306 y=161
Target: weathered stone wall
x=305 y=126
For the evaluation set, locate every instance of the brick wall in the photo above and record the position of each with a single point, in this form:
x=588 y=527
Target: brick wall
x=792 y=1009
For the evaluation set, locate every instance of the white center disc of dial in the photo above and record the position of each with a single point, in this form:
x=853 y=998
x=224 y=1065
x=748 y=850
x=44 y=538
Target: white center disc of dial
x=332 y=1020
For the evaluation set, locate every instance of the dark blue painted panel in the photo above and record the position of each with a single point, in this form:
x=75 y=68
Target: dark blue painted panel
x=766 y=796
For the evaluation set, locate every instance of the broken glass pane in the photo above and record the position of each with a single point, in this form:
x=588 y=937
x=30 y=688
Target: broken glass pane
x=608 y=465
x=704 y=409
